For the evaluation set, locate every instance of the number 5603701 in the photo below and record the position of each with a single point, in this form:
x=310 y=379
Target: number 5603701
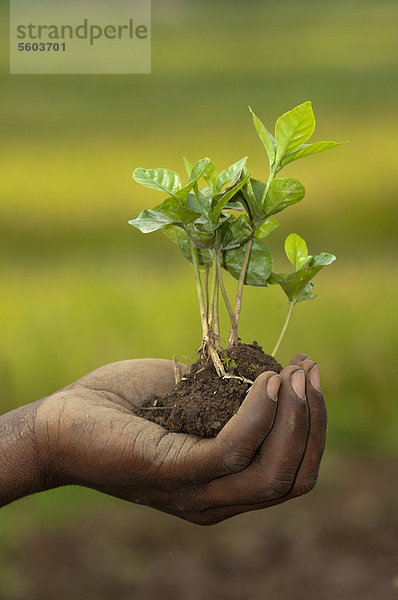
x=41 y=47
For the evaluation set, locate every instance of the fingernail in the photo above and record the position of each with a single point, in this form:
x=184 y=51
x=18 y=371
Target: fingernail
x=273 y=385
x=298 y=383
x=315 y=378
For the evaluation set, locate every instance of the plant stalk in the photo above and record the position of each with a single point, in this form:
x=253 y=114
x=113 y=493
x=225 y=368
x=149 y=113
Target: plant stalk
x=289 y=314
x=206 y=342
x=207 y=290
x=224 y=294
x=266 y=189
x=216 y=326
x=213 y=285
x=199 y=289
x=213 y=317
x=233 y=336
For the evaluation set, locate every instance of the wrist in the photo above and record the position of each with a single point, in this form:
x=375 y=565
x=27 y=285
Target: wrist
x=22 y=468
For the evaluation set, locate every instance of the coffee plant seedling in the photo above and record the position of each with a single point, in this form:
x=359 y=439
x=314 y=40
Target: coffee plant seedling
x=206 y=225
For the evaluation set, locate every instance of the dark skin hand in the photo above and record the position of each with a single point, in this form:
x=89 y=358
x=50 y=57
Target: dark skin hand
x=87 y=434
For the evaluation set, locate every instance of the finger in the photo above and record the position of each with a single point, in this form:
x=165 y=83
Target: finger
x=133 y=381
x=238 y=441
x=272 y=473
x=309 y=468
x=296 y=360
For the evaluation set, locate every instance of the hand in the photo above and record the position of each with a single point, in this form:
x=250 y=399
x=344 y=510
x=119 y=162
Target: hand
x=87 y=434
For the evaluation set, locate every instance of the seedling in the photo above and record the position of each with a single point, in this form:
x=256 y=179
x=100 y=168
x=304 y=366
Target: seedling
x=206 y=225
x=298 y=285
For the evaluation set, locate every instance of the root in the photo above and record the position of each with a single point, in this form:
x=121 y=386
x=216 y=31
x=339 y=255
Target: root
x=229 y=376
x=219 y=367
x=208 y=352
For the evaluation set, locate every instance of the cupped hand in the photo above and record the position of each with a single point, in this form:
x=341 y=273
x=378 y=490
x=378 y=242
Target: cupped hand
x=87 y=434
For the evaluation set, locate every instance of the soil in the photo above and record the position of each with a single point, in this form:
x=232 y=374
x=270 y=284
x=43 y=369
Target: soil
x=201 y=403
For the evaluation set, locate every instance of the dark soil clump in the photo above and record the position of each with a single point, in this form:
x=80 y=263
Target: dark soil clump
x=201 y=403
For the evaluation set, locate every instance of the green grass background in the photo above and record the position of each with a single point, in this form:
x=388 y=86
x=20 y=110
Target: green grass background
x=80 y=287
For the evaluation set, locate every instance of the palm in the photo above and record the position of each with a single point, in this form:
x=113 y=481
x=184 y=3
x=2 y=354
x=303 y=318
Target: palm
x=100 y=430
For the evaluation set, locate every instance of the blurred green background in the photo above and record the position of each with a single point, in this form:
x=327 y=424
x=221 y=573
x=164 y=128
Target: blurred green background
x=81 y=288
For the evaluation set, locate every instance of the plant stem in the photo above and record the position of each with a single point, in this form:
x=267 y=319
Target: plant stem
x=206 y=342
x=266 y=189
x=213 y=317
x=216 y=326
x=207 y=290
x=199 y=289
x=233 y=336
x=289 y=314
x=224 y=293
x=212 y=294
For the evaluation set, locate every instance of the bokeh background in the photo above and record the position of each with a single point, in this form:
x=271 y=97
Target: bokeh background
x=81 y=288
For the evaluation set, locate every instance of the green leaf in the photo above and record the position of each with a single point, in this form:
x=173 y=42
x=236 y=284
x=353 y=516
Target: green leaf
x=266 y=228
x=158 y=179
x=234 y=232
x=294 y=284
x=192 y=203
x=307 y=150
x=307 y=293
x=177 y=212
x=231 y=174
x=282 y=193
x=266 y=137
x=322 y=259
x=201 y=203
x=201 y=236
x=250 y=196
x=224 y=198
x=188 y=166
x=205 y=198
x=234 y=205
x=259 y=267
x=196 y=173
x=210 y=176
x=296 y=250
x=258 y=188
x=273 y=279
x=180 y=237
x=150 y=220
x=293 y=129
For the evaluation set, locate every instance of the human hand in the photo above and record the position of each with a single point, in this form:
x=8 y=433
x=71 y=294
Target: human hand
x=87 y=434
